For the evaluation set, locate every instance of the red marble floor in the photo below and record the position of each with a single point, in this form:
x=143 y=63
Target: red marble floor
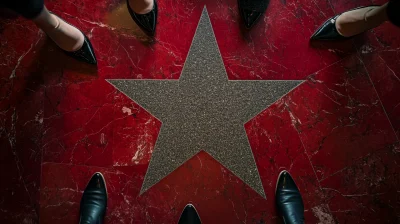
x=337 y=133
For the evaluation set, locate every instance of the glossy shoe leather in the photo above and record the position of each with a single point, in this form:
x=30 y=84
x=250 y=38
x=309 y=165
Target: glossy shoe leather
x=94 y=201
x=147 y=22
x=252 y=10
x=189 y=216
x=288 y=199
x=85 y=53
x=328 y=30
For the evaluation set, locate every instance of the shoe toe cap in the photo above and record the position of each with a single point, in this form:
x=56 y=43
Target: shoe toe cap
x=250 y=18
x=327 y=31
x=189 y=215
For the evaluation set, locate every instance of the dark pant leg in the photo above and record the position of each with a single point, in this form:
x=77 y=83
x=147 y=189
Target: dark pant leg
x=27 y=8
x=393 y=11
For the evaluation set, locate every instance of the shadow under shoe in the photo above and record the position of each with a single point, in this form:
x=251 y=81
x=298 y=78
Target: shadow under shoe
x=288 y=199
x=189 y=216
x=252 y=10
x=94 y=201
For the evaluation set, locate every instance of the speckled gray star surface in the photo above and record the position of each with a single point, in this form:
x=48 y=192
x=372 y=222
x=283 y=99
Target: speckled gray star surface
x=203 y=110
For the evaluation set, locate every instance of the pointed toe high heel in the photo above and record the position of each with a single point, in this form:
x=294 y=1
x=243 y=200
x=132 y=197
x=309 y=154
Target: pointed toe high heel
x=85 y=53
x=252 y=10
x=147 y=22
x=328 y=30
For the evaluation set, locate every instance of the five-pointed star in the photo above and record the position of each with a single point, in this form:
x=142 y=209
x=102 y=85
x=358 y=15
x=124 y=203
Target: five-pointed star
x=203 y=110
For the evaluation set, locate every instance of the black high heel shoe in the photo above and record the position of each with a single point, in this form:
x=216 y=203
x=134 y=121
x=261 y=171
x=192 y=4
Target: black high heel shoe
x=252 y=10
x=328 y=31
x=85 y=53
x=94 y=201
x=147 y=22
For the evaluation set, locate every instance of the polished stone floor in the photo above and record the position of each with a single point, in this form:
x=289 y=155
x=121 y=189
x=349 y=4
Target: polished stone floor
x=336 y=132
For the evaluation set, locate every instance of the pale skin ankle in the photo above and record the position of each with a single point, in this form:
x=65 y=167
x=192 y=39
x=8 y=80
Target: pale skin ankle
x=63 y=34
x=46 y=21
x=377 y=16
x=351 y=23
x=141 y=6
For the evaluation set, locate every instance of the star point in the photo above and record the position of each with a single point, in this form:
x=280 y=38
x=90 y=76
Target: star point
x=203 y=110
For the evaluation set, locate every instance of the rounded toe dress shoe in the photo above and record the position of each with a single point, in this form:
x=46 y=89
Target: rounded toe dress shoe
x=189 y=215
x=288 y=199
x=147 y=22
x=94 y=201
x=252 y=10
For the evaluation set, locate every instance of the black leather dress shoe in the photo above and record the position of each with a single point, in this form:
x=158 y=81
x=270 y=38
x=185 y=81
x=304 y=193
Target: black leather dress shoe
x=94 y=201
x=189 y=216
x=328 y=31
x=288 y=199
x=147 y=22
x=85 y=53
x=252 y=10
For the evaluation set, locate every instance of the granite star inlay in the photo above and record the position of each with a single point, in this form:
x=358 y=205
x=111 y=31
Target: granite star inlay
x=203 y=110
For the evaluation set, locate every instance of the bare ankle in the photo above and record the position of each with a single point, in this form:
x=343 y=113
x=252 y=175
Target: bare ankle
x=377 y=15
x=141 y=6
x=46 y=21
